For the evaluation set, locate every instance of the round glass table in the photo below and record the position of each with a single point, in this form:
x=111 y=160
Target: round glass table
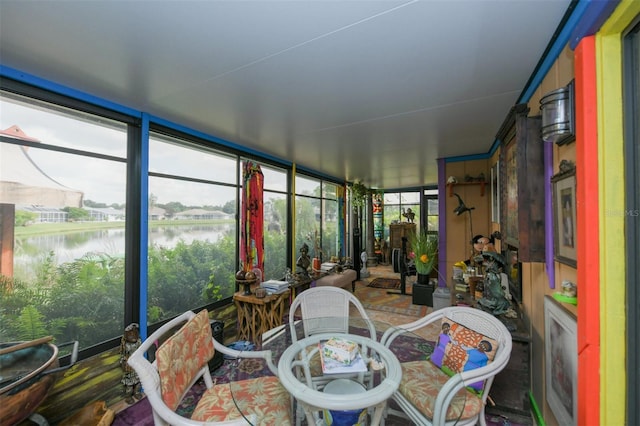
x=375 y=373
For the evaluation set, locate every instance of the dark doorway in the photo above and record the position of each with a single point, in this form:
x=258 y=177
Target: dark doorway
x=631 y=102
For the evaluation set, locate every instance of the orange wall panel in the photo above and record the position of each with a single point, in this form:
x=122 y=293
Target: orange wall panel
x=587 y=202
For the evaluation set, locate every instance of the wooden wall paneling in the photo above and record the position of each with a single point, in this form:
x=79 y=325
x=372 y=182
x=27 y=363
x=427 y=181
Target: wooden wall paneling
x=98 y=378
x=559 y=75
x=534 y=287
x=458 y=232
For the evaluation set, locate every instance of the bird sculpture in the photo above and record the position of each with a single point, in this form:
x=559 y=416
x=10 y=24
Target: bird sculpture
x=461 y=208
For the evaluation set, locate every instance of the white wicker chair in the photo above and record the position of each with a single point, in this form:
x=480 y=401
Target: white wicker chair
x=447 y=400
x=330 y=306
x=216 y=406
x=326 y=310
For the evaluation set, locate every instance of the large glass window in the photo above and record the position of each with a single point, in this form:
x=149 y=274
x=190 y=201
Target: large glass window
x=432 y=217
x=62 y=195
x=317 y=217
x=70 y=243
x=397 y=206
x=275 y=222
x=192 y=226
x=330 y=219
x=308 y=214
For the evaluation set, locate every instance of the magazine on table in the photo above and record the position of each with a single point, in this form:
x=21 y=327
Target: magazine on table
x=332 y=366
x=275 y=287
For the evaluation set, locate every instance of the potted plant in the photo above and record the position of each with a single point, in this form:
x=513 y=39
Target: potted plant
x=359 y=194
x=424 y=248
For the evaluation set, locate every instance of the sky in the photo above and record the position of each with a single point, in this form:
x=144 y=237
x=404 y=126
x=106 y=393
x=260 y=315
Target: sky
x=104 y=181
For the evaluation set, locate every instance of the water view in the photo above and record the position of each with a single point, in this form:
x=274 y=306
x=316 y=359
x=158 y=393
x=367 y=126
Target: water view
x=32 y=250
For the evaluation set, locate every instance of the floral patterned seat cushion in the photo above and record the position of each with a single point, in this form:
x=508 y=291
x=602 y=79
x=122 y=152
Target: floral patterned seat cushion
x=181 y=356
x=421 y=383
x=265 y=395
x=461 y=349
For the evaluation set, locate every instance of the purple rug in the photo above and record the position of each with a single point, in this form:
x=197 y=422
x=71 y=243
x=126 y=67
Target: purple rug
x=139 y=414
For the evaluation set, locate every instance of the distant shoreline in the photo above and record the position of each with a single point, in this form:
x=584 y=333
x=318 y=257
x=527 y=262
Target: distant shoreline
x=68 y=227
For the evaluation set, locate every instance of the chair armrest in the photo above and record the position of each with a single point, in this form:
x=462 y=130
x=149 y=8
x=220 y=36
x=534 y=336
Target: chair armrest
x=391 y=333
x=266 y=355
x=461 y=380
x=454 y=384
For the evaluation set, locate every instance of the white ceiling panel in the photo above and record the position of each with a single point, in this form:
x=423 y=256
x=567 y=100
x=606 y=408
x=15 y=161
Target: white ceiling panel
x=374 y=91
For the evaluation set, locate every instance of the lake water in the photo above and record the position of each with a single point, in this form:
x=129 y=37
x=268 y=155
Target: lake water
x=29 y=252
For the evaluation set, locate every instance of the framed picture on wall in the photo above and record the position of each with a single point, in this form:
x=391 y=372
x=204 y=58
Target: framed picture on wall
x=564 y=215
x=561 y=362
x=495 y=193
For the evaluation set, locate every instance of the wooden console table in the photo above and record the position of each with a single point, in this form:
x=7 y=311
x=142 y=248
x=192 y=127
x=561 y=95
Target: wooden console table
x=255 y=315
x=299 y=285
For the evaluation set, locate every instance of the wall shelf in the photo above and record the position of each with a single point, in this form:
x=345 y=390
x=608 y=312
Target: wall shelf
x=482 y=185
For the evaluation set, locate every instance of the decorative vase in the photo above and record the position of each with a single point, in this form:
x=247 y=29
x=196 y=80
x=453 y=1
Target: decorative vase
x=423 y=279
x=423 y=291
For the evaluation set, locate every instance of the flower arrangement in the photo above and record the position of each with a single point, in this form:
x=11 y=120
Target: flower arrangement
x=424 y=248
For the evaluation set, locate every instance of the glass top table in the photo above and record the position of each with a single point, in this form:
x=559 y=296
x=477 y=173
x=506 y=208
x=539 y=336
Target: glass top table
x=300 y=371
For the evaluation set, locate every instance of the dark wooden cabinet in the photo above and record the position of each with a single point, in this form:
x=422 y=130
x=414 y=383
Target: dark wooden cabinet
x=399 y=230
x=522 y=179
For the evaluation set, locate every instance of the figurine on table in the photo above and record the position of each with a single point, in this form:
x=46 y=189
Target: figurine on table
x=128 y=345
x=494 y=299
x=303 y=262
x=409 y=214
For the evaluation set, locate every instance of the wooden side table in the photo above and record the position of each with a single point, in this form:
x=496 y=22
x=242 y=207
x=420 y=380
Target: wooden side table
x=298 y=286
x=255 y=315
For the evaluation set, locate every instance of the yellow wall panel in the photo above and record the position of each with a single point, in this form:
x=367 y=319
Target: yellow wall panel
x=612 y=204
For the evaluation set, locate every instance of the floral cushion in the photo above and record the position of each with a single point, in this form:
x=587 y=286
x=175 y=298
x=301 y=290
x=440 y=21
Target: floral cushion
x=181 y=356
x=265 y=395
x=461 y=349
x=420 y=385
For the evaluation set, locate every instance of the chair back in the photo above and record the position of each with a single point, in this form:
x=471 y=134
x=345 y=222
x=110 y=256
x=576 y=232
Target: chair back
x=326 y=310
x=474 y=319
x=180 y=361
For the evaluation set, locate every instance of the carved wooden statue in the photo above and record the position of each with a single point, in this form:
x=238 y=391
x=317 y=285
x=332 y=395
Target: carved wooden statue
x=129 y=343
x=303 y=262
x=409 y=214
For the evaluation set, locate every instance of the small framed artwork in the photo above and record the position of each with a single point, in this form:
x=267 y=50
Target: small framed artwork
x=564 y=215
x=561 y=362
x=495 y=193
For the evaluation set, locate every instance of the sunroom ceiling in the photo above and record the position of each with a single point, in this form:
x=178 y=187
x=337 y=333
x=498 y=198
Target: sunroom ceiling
x=370 y=91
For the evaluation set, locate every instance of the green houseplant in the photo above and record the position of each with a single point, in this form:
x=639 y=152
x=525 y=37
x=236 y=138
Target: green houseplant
x=424 y=248
x=359 y=194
